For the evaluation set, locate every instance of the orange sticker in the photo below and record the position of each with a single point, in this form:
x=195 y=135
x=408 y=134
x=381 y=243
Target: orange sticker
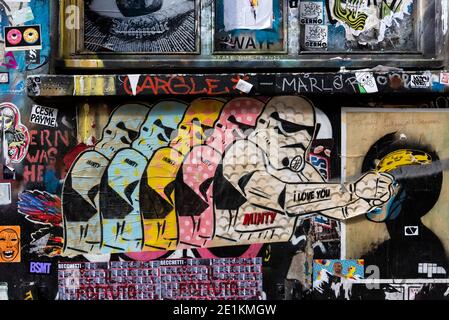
x=9 y=244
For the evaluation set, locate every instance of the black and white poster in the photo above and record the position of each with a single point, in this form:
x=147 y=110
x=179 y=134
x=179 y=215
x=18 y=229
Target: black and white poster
x=141 y=26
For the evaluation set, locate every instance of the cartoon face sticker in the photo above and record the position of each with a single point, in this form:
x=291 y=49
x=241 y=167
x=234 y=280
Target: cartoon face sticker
x=10 y=244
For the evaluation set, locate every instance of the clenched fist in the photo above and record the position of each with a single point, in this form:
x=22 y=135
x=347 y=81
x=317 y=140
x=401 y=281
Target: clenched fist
x=375 y=188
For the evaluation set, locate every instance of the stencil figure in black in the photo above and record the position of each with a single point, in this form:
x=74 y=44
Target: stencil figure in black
x=418 y=171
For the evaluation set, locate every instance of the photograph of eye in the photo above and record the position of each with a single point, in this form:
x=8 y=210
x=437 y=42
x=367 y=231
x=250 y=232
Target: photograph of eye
x=134 y=26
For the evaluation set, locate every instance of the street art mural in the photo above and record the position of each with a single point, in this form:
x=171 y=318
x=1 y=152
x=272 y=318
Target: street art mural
x=282 y=179
x=251 y=170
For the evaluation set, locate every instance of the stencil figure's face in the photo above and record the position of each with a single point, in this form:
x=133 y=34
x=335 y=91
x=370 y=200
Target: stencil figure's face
x=9 y=245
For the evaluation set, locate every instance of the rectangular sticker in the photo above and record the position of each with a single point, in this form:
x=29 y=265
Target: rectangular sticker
x=22 y=38
x=9 y=244
x=40 y=267
x=33 y=56
x=4 y=77
x=316 y=36
x=444 y=78
x=5 y=193
x=366 y=81
x=311 y=12
x=420 y=81
x=44 y=116
x=21 y=16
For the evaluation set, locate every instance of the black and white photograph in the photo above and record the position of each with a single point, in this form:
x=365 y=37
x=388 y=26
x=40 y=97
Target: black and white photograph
x=141 y=26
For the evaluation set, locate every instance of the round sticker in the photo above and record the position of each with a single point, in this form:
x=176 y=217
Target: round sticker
x=14 y=37
x=31 y=35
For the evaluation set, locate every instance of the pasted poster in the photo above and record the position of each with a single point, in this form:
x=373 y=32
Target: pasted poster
x=361 y=25
x=15 y=137
x=409 y=233
x=250 y=26
x=10 y=244
x=151 y=26
x=248 y=14
x=173 y=279
x=333 y=279
x=208 y=173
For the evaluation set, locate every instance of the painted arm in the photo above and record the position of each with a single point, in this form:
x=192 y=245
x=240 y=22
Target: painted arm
x=306 y=193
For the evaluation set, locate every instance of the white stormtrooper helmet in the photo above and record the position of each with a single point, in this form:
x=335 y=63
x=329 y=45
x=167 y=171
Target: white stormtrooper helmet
x=122 y=129
x=285 y=130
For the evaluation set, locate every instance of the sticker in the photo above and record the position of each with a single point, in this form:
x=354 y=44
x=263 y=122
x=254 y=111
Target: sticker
x=9 y=244
x=411 y=231
x=5 y=194
x=4 y=77
x=444 y=78
x=33 y=56
x=311 y=12
x=40 y=267
x=367 y=83
x=316 y=36
x=420 y=81
x=430 y=269
x=21 y=16
x=44 y=116
x=16 y=137
x=23 y=38
x=244 y=86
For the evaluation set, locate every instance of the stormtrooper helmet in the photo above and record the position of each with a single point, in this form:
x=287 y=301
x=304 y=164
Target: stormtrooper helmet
x=197 y=124
x=122 y=129
x=285 y=131
x=160 y=126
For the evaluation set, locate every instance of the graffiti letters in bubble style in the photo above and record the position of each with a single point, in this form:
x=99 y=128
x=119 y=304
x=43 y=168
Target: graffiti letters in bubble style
x=15 y=137
x=155 y=26
x=208 y=173
x=359 y=16
x=10 y=244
